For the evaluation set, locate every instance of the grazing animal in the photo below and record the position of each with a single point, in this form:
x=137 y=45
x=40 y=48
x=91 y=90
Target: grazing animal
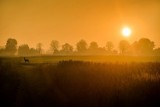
x=26 y=60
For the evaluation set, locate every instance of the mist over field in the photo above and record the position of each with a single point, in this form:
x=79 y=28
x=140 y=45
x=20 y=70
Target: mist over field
x=79 y=53
x=86 y=77
x=142 y=47
x=33 y=21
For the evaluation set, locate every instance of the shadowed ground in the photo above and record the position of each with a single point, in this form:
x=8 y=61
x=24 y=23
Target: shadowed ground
x=79 y=84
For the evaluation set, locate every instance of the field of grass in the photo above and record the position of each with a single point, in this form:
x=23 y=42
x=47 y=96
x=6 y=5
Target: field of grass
x=55 y=59
x=67 y=81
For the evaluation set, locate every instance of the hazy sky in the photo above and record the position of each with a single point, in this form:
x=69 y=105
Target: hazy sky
x=33 y=21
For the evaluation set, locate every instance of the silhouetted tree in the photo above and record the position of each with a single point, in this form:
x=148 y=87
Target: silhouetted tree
x=39 y=48
x=115 y=52
x=145 y=46
x=93 y=46
x=2 y=51
x=67 y=48
x=54 y=46
x=123 y=46
x=134 y=48
x=33 y=51
x=23 y=50
x=81 y=46
x=157 y=51
x=109 y=46
x=11 y=46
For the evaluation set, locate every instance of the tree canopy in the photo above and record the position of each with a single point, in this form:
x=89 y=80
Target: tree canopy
x=23 y=50
x=123 y=46
x=11 y=46
x=54 y=46
x=81 y=46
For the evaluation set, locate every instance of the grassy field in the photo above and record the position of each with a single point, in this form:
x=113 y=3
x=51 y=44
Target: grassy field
x=80 y=81
x=55 y=59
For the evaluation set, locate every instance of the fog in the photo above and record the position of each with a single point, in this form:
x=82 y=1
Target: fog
x=35 y=21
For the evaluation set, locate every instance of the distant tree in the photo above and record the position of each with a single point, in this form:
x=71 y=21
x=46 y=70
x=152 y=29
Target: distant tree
x=123 y=46
x=115 y=52
x=157 y=51
x=54 y=46
x=109 y=46
x=11 y=46
x=93 y=46
x=23 y=50
x=145 y=46
x=81 y=46
x=33 y=51
x=39 y=48
x=67 y=48
x=133 y=48
x=2 y=51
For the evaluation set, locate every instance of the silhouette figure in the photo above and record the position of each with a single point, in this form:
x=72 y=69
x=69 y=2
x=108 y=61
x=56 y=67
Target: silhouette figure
x=26 y=60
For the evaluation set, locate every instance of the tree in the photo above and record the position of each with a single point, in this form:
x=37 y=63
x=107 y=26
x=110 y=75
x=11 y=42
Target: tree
x=145 y=46
x=11 y=46
x=2 y=51
x=39 y=48
x=54 y=46
x=123 y=46
x=93 y=46
x=33 y=51
x=81 y=46
x=109 y=46
x=134 y=47
x=157 y=51
x=67 y=48
x=23 y=50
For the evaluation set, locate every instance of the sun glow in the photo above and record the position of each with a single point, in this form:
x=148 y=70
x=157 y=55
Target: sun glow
x=126 y=32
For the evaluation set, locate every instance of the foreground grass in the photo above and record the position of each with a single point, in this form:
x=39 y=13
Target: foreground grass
x=79 y=84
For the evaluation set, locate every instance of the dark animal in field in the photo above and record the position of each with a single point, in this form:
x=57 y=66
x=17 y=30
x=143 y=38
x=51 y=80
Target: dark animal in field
x=26 y=60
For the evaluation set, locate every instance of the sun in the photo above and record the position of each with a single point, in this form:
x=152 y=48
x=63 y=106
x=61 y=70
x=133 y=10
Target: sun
x=126 y=32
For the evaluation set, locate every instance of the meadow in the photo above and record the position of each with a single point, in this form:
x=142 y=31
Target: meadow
x=80 y=81
x=88 y=58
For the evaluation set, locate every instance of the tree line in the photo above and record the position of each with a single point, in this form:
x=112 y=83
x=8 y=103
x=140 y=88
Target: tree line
x=143 y=46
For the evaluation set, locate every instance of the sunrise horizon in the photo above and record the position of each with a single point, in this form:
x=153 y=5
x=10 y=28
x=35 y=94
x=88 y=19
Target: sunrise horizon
x=80 y=53
x=32 y=22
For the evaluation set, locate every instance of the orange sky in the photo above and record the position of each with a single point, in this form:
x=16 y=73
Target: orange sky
x=34 y=21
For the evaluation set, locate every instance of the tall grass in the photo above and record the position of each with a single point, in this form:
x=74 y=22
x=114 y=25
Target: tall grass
x=80 y=84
